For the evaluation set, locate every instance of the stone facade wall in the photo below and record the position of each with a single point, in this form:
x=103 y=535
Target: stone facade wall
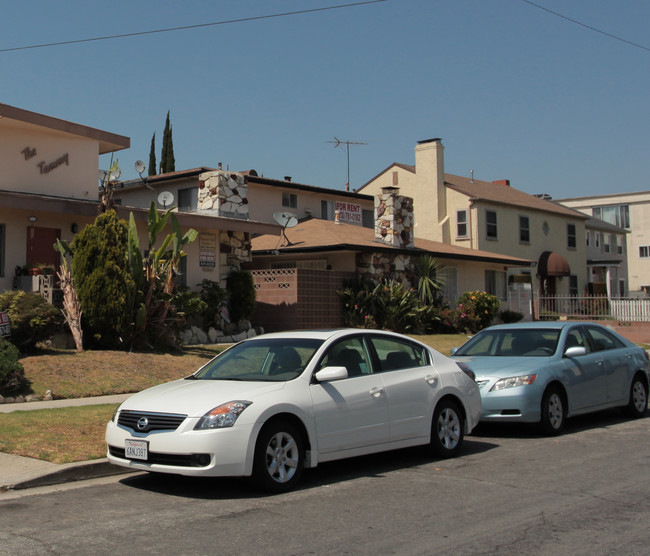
x=388 y=266
x=225 y=193
x=234 y=250
x=394 y=220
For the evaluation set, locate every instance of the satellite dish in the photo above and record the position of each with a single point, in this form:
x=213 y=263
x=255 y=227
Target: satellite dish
x=139 y=166
x=165 y=198
x=286 y=220
x=103 y=174
x=114 y=175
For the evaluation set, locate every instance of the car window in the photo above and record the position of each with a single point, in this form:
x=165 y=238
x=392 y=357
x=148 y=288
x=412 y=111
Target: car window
x=263 y=359
x=350 y=353
x=576 y=338
x=397 y=354
x=512 y=342
x=602 y=340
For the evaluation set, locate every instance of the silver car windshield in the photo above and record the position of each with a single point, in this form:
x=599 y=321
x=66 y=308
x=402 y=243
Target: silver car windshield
x=524 y=342
x=275 y=360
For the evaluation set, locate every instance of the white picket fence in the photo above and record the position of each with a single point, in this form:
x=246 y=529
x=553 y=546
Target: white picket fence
x=594 y=308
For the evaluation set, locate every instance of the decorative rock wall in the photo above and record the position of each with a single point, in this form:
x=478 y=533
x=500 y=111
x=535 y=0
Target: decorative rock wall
x=234 y=249
x=394 y=218
x=225 y=193
x=378 y=266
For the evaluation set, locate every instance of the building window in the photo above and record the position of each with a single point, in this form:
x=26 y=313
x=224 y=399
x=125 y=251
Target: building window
x=449 y=279
x=587 y=238
x=619 y=215
x=2 y=249
x=620 y=241
x=461 y=223
x=644 y=251
x=607 y=245
x=573 y=285
x=289 y=200
x=188 y=199
x=367 y=218
x=491 y=224
x=597 y=235
x=495 y=284
x=621 y=288
x=571 y=236
x=524 y=229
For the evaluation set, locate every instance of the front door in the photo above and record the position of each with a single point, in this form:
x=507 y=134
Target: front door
x=40 y=246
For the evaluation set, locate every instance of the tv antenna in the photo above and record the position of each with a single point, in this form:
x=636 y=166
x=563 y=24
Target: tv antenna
x=337 y=143
x=286 y=220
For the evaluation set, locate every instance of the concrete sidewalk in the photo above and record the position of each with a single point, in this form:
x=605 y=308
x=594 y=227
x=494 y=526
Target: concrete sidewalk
x=17 y=472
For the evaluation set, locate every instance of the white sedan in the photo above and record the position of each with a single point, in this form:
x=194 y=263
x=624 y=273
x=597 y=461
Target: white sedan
x=269 y=406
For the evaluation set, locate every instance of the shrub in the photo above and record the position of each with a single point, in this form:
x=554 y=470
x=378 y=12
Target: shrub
x=12 y=374
x=509 y=316
x=215 y=298
x=358 y=303
x=475 y=311
x=32 y=319
x=103 y=281
x=241 y=295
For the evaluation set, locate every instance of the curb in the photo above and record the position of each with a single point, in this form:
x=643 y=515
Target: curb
x=70 y=472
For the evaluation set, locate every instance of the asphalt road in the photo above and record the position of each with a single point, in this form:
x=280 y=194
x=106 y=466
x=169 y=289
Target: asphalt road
x=512 y=492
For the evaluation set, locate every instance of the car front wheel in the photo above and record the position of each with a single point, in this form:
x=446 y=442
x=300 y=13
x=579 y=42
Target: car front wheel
x=553 y=411
x=638 y=403
x=447 y=430
x=279 y=457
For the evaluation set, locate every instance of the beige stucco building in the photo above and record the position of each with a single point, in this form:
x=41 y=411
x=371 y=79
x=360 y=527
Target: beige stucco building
x=49 y=190
x=494 y=217
x=625 y=212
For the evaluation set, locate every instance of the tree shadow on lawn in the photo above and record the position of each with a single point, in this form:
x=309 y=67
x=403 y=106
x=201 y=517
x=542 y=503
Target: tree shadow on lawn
x=329 y=473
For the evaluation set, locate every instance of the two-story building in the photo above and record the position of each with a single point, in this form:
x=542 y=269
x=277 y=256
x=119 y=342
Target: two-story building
x=494 y=217
x=49 y=190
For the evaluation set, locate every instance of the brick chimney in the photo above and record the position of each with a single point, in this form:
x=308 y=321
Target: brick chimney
x=394 y=219
x=502 y=182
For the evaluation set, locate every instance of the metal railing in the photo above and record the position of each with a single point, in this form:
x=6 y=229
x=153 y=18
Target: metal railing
x=593 y=308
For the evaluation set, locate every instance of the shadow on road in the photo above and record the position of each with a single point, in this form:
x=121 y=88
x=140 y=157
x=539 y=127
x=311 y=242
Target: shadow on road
x=374 y=465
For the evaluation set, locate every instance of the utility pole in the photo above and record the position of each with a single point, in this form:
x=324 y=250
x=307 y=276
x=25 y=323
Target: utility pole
x=337 y=143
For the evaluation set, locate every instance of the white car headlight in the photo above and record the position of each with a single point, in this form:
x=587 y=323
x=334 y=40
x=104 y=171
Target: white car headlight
x=513 y=381
x=222 y=416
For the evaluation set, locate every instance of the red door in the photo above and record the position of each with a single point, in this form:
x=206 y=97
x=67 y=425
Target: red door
x=40 y=246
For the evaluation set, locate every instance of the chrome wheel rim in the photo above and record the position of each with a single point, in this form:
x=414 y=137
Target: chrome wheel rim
x=555 y=412
x=282 y=457
x=639 y=397
x=449 y=428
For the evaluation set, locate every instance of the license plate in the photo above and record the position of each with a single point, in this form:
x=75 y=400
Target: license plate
x=136 y=449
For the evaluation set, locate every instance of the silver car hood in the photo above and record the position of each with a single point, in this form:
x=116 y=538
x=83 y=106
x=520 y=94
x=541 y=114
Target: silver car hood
x=194 y=398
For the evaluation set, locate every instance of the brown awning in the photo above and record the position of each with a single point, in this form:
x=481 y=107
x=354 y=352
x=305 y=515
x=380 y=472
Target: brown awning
x=552 y=264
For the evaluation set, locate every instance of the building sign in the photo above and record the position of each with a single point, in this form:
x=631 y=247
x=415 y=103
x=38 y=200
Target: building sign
x=348 y=212
x=43 y=166
x=208 y=252
x=5 y=326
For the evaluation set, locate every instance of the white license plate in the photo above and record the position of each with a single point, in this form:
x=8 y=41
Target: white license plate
x=136 y=449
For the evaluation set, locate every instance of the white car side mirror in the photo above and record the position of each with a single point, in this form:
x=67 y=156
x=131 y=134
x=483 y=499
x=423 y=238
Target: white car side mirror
x=329 y=374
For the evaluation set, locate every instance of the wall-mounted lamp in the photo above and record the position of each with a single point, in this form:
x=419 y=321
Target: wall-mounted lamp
x=32 y=219
x=74 y=228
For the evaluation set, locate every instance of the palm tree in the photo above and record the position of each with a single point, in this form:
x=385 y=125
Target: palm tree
x=425 y=269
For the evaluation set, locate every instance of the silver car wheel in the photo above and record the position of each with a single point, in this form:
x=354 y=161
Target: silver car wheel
x=449 y=431
x=282 y=457
x=639 y=397
x=555 y=411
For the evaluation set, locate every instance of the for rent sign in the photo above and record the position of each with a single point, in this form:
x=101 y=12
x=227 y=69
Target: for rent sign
x=5 y=327
x=349 y=212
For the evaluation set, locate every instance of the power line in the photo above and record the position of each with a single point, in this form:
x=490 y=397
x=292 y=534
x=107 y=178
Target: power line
x=587 y=26
x=196 y=26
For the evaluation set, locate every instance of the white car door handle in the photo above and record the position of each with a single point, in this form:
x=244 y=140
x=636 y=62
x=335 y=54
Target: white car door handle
x=432 y=380
x=376 y=392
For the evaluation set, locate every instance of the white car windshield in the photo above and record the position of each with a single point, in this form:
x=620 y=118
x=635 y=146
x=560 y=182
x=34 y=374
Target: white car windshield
x=279 y=359
x=523 y=342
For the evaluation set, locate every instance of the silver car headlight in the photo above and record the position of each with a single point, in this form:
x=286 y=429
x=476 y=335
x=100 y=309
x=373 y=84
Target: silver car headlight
x=513 y=381
x=222 y=416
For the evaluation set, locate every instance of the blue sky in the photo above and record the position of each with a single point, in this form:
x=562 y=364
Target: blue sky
x=514 y=92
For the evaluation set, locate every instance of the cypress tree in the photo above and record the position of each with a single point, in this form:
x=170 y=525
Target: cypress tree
x=164 y=155
x=152 y=156
x=171 y=161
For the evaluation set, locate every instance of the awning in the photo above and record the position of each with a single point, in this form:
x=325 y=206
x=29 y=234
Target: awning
x=552 y=264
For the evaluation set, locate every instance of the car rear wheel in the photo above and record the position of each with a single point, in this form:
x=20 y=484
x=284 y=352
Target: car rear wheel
x=279 y=457
x=553 y=411
x=447 y=430
x=638 y=403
